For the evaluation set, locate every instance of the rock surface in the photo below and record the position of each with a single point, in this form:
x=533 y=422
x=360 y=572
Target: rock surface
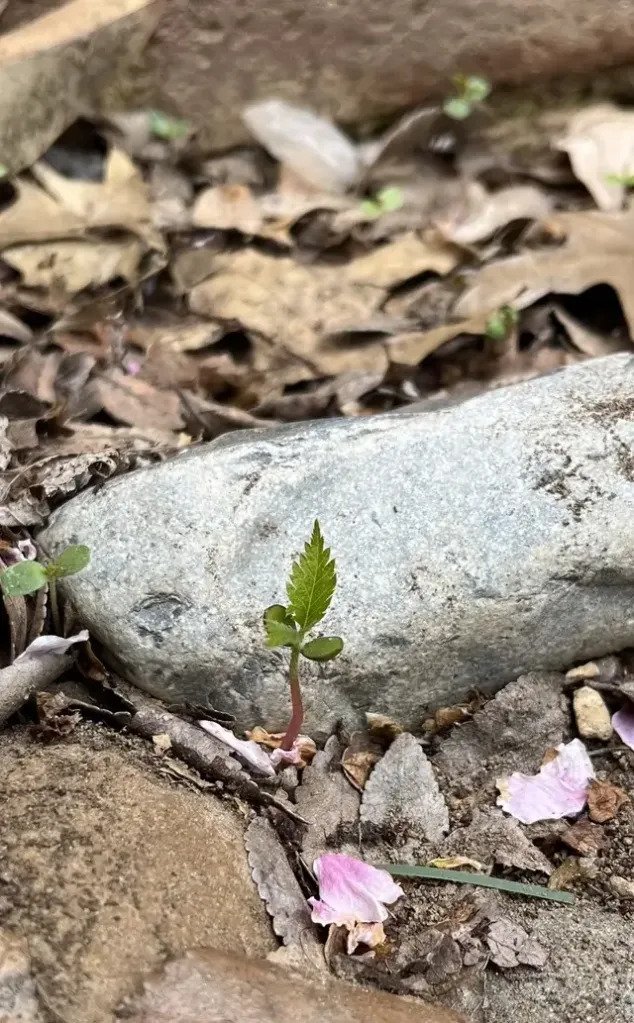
x=472 y=545
x=209 y=987
x=107 y=868
x=356 y=60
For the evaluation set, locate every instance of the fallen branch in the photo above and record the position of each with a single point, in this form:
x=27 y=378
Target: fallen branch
x=198 y=749
x=28 y=675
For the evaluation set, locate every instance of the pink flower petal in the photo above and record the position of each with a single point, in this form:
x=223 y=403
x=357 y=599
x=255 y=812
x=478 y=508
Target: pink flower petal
x=351 y=891
x=560 y=789
x=286 y=756
x=623 y=724
x=247 y=750
x=51 y=645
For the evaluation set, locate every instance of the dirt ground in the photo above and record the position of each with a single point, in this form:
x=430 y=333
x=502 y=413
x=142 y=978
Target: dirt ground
x=108 y=868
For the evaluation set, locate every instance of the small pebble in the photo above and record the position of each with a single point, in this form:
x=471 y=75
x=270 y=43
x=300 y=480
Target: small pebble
x=622 y=887
x=592 y=714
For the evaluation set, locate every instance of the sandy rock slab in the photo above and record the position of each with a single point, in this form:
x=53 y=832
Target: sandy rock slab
x=107 y=868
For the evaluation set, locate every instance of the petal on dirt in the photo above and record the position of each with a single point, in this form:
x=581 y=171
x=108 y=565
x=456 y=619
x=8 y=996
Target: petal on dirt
x=623 y=724
x=247 y=750
x=560 y=789
x=351 y=891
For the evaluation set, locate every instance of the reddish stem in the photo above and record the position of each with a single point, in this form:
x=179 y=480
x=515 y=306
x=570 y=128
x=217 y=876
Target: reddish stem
x=297 y=715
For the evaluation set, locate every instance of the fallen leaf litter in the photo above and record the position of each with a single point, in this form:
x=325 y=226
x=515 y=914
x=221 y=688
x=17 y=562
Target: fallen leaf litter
x=301 y=304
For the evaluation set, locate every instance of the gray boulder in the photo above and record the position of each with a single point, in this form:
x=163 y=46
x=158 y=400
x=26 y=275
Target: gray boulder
x=473 y=544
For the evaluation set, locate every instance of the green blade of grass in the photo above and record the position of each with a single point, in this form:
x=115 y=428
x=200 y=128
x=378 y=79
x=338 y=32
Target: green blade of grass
x=533 y=891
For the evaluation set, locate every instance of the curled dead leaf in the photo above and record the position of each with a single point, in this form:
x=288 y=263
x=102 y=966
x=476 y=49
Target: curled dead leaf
x=605 y=801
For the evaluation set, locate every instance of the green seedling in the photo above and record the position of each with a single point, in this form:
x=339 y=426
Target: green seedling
x=625 y=180
x=166 y=128
x=471 y=90
x=386 y=200
x=310 y=589
x=29 y=576
x=501 y=324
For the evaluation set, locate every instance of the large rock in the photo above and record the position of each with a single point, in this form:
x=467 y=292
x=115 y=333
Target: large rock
x=472 y=544
x=357 y=59
x=108 y=867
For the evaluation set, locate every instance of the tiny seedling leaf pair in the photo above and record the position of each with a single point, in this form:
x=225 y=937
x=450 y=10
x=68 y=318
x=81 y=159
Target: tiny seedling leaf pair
x=310 y=590
x=28 y=576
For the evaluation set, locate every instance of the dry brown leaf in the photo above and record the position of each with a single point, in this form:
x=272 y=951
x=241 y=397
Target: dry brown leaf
x=135 y=402
x=597 y=248
x=52 y=68
x=382 y=728
x=278 y=886
x=295 y=306
x=227 y=208
x=359 y=759
x=11 y=326
x=605 y=800
x=120 y=200
x=71 y=266
x=600 y=145
x=185 y=334
x=405 y=257
x=210 y=419
x=411 y=347
x=35 y=216
x=486 y=212
x=584 y=838
x=586 y=340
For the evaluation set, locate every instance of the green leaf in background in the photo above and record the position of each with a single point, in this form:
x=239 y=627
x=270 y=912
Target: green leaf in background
x=323 y=649
x=281 y=634
x=390 y=198
x=370 y=208
x=475 y=88
x=25 y=577
x=457 y=108
x=167 y=128
x=74 y=559
x=500 y=323
x=312 y=582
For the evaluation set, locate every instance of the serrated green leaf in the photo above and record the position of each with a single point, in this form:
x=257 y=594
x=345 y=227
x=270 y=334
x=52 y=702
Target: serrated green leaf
x=25 y=577
x=324 y=648
x=74 y=559
x=281 y=634
x=312 y=582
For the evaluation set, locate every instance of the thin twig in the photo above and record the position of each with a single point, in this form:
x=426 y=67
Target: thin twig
x=28 y=675
x=198 y=749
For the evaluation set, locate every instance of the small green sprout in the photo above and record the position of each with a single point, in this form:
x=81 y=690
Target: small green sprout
x=310 y=590
x=29 y=576
x=625 y=180
x=501 y=324
x=386 y=200
x=167 y=128
x=471 y=90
